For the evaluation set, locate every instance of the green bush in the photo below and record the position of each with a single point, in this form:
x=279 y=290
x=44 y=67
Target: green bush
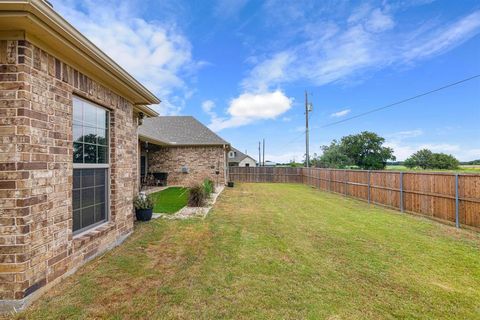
x=142 y=202
x=197 y=196
x=208 y=187
x=426 y=159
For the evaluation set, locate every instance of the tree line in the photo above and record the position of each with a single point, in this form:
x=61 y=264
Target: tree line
x=366 y=151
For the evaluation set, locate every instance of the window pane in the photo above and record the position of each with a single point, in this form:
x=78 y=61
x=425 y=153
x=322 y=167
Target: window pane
x=77 y=133
x=77 y=152
x=76 y=179
x=88 y=216
x=90 y=151
x=102 y=155
x=100 y=212
x=89 y=135
x=87 y=177
x=76 y=199
x=102 y=137
x=99 y=194
x=89 y=114
x=76 y=220
x=88 y=197
x=100 y=177
x=101 y=118
x=77 y=110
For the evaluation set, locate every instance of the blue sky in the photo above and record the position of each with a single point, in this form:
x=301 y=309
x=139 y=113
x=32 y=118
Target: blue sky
x=242 y=66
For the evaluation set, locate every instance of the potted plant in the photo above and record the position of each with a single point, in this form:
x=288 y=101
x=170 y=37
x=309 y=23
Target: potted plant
x=143 y=207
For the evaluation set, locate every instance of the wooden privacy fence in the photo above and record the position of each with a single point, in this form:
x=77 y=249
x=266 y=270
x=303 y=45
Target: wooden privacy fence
x=448 y=197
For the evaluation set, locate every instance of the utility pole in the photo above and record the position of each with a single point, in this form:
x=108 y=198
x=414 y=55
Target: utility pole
x=263 y=165
x=259 y=155
x=308 y=108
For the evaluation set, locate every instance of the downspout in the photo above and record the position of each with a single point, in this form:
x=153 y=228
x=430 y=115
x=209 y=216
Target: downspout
x=225 y=166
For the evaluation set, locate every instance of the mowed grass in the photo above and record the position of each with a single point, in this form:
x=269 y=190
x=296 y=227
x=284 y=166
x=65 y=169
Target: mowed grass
x=170 y=200
x=279 y=251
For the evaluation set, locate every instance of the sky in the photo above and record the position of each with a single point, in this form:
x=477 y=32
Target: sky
x=242 y=67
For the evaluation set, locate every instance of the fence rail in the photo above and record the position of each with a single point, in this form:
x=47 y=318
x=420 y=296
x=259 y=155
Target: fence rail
x=448 y=197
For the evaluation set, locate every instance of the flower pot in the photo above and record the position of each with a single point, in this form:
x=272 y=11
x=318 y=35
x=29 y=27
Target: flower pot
x=144 y=214
x=230 y=184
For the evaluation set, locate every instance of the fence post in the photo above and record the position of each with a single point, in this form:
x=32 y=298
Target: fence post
x=457 y=222
x=401 y=191
x=345 y=181
x=369 y=173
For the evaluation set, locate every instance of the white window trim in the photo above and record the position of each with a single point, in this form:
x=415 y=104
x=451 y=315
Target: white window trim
x=83 y=231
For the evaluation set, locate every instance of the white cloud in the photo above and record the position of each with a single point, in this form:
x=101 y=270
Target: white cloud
x=228 y=8
x=250 y=107
x=444 y=39
x=270 y=71
x=208 y=105
x=341 y=113
x=403 y=146
x=158 y=55
x=344 y=51
x=379 y=21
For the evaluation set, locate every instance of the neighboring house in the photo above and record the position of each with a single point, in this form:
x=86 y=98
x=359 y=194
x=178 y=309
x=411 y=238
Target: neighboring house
x=240 y=159
x=183 y=148
x=68 y=150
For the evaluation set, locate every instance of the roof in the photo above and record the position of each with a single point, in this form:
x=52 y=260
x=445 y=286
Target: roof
x=36 y=21
x=178 y=130
x=239 y=156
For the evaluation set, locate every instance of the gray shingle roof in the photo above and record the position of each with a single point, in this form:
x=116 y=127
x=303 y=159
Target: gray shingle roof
x=179 y=130
x=239 y=156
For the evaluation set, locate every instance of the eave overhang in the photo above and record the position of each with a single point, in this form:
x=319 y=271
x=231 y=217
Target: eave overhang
x=37 y=22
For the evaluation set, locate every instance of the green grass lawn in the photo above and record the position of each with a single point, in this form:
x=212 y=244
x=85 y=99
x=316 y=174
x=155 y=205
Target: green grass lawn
x=279 y=251
x=170 y=200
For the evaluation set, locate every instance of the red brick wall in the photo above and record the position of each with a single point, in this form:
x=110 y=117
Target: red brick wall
x=198 y=160
x=36 y=241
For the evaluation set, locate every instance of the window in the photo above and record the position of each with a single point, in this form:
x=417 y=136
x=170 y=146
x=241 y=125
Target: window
x=90 y=165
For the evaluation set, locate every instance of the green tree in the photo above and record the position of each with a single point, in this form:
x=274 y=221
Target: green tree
x=444 y=161
x=426 y=159
x=422 y=158
x=333 y=157
x=366 y=150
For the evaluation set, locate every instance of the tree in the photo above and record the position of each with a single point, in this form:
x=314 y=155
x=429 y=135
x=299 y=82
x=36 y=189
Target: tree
x=444 y=161
x=366 y=150
x=333 y=157
x=422 y=158
x=426 y=159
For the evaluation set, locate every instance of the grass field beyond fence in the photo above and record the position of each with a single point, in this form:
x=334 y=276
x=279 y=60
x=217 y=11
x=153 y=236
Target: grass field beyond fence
x=447 y=197
x=279 y=251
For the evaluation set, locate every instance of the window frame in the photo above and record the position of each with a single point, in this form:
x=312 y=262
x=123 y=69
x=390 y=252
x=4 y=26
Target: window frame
x=79 y=232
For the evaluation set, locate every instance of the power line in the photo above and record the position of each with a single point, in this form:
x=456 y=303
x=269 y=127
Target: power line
x=400 y=102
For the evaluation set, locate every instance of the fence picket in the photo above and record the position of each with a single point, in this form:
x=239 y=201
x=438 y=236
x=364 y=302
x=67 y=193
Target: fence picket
x=437 y=195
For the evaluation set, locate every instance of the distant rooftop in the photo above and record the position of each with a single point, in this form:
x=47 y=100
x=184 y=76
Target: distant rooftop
x=179 y=130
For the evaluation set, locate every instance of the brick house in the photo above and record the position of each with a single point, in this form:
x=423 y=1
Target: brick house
x=68 y=150
x=184 y=149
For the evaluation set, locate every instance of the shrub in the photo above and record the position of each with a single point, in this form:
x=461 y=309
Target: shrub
x=196 y=196
x=426 y=159
x=208 y=187
x=142 y=202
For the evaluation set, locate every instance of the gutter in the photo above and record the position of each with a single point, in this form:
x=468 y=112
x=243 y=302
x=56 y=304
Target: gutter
x=43 y=25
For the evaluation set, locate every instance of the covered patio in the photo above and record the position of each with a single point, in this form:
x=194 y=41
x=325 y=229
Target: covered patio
x=180 y=151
